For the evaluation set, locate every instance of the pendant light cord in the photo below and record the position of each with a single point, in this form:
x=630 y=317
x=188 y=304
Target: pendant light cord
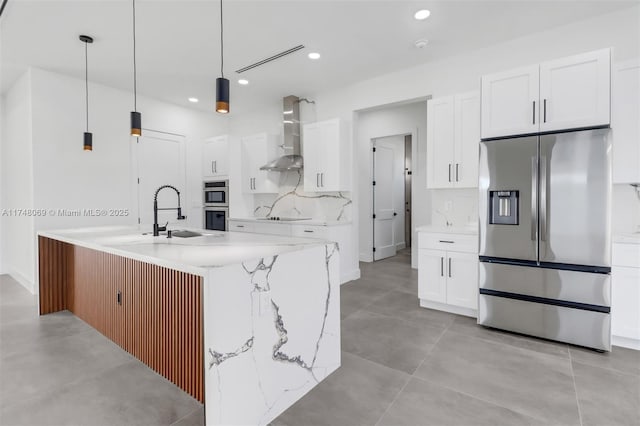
x=86 y=81
x=135 y=79
x=221 y=43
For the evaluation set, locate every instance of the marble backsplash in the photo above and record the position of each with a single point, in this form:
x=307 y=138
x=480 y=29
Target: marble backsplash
x=293 y=201
x=454 y=207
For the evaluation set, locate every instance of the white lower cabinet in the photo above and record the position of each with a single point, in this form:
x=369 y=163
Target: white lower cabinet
x=625 y=295
x=448 y=272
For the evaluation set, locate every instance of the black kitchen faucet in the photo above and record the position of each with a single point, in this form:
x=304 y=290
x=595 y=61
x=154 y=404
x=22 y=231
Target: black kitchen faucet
x=156 y=228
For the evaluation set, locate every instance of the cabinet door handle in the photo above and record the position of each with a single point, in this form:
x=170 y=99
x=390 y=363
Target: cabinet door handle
x=213 y=167
x=534 y=112
x=442 y=266
x=449 y=267
x=239 y=226
x=446 y=241
x=119 y=297
x=322 y=180
x=449 y=172
x=457 y=164
x=544 y=109
x=306 y=230
x=317 y=180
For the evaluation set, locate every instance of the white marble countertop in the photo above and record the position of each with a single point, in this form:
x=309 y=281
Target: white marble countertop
x=313 y=222
x=627 y=238
x=193 y=255
x=465 y=230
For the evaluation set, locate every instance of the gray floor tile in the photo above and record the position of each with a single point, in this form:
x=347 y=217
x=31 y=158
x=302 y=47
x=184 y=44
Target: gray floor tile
x=528 y=382
x=407 y=307
x=130 y=394
x=424 y=403
x=195 y=418
x=607 y=397
x=389 y=341
x=619 y=359
x=55 y=363
x=470 y=327
x=356 y=295
x=356 y=394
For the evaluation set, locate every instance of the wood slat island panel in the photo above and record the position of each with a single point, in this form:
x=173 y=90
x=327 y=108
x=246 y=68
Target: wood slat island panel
x=152 y=312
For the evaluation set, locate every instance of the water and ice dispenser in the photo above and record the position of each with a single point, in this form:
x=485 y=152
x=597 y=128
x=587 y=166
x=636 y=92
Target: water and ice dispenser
x=503 y=207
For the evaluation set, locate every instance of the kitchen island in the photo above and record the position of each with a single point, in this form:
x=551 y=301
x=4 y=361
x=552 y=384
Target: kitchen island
x=245 y=323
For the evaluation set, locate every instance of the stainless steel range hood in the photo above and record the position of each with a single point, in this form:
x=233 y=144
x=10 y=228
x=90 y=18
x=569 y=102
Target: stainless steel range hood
x=292 y=160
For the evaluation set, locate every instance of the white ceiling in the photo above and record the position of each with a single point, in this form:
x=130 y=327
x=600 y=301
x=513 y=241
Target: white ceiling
x=178 y=45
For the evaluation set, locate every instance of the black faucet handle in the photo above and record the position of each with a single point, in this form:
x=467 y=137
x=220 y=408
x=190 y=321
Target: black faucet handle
x=180 y=215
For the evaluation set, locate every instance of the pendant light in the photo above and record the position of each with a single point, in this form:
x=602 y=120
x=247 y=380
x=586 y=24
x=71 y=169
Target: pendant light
x=222 y=84
x=136 y=118
x=88 y=137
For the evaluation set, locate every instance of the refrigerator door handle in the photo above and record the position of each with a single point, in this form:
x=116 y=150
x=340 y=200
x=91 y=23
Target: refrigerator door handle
x=543 y=198
x=534 y=198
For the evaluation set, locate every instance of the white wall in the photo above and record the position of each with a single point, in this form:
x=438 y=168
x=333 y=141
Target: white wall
x=63 y=176
x=379 y=123
x=17 y=183
x=396 y=143
x=626 y=210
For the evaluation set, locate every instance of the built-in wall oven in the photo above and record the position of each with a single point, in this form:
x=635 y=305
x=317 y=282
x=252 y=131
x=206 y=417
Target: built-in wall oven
x=216 y=205
x=216 y=193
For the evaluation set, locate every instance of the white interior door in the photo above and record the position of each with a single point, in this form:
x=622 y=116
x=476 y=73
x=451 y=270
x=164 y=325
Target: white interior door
x=160 y=161
x=384 y=214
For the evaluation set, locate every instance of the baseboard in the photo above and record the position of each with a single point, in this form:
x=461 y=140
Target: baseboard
x=354 y=274
x=449 y=308
x=22 y=280
x=365 y=257
x=400 y=246
x=625 y=342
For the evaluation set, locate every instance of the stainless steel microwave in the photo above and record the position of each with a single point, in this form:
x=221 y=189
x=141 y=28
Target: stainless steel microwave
x=216 y=193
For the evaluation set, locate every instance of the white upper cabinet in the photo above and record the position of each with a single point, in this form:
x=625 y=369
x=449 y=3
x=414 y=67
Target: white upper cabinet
x=575 y=91
x=215 y=157
x=326 y=157
x=258 y=150
x=625 y=122
x=453 y=134
x=510 y=102
x=564 y=94
x=467 y=140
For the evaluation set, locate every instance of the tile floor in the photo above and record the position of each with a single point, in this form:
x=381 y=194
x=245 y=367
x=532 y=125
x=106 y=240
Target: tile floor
x=401 y=365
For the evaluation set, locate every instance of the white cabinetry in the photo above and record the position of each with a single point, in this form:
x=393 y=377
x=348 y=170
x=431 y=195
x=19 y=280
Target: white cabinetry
x=340 y=233
x=625 y=295
x=448 y=272
x=453 y=133
x=258 y=150
x=326 y=157
x=567 y=93
x=625 y=122
x=215 y=157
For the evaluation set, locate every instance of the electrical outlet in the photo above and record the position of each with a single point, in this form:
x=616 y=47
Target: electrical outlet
x=448 y=206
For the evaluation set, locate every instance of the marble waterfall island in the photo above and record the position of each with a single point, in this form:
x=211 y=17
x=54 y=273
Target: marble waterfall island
x=245 y=323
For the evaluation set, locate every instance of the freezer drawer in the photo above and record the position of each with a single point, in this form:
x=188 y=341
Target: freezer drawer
x=571 y=286
x=575 y=326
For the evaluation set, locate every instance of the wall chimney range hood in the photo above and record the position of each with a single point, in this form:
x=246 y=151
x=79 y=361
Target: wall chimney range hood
x=292 y=160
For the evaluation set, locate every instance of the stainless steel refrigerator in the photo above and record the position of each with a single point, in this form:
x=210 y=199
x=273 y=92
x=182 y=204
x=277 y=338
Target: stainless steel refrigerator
x=545 y=236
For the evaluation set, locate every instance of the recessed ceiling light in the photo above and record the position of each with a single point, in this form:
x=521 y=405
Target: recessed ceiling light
x=421 y=43
x=243 y=81
x=422 y=14
x=314 y=55
x=194 y=100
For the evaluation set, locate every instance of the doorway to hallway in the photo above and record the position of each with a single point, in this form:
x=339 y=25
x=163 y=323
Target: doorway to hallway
x=391 y=195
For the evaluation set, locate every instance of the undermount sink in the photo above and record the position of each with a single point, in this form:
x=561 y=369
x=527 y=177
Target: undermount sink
x=185 y=234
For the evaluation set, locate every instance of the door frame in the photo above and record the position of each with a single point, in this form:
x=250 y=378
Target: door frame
x=414 y=134
x=135 y=165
